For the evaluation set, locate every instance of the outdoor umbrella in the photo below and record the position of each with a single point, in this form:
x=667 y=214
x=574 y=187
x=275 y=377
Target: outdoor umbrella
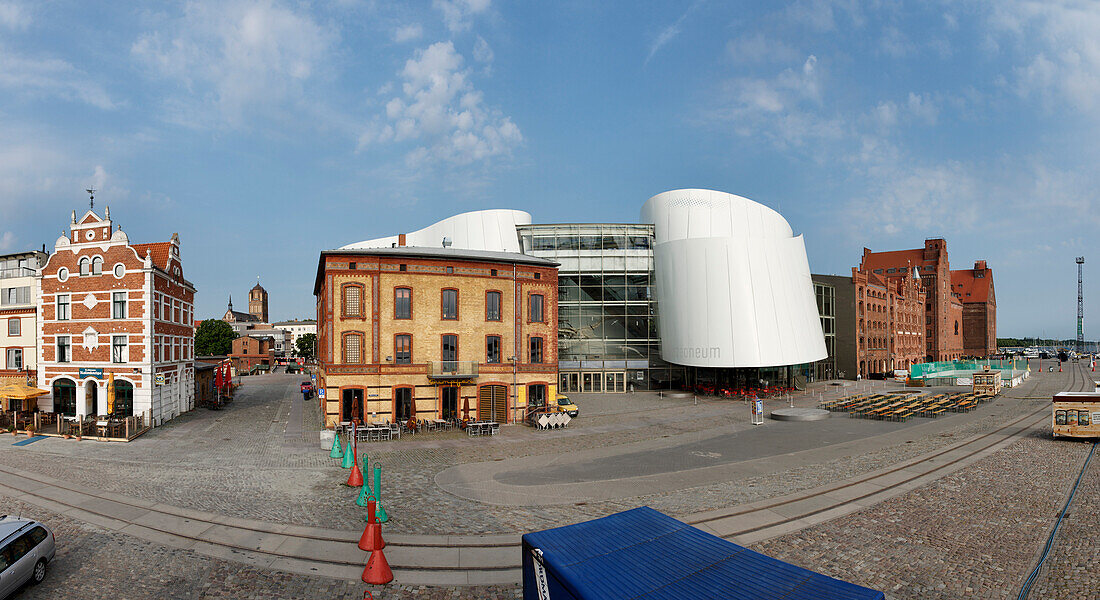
x=19 y=391
x=110 y=394
x=466 y=409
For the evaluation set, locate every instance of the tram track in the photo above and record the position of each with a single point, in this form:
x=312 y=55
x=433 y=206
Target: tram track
x=458 y=560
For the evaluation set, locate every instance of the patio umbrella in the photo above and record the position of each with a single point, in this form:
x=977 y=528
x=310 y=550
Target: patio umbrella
x=110 y=394
x=19 y=391
x=466 y=409
x=228 y=376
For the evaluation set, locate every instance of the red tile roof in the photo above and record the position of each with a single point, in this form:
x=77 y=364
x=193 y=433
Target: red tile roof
x=894 y=259
x=964 y=282
x=159 y=250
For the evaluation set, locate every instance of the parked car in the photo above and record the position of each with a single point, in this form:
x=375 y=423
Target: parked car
x=26 y=547
x=566 y=406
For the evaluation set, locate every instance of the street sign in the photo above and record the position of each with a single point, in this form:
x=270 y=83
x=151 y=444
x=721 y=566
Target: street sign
x=321 y=393
x=90 y=372
x=160 y=379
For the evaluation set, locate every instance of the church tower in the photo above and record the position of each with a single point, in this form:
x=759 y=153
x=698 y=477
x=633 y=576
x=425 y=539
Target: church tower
x=257 y=303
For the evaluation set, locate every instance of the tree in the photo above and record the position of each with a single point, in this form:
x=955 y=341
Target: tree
x=214 y=337
x=305 y=345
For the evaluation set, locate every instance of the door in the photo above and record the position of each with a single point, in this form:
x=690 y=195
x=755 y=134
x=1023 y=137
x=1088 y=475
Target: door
x=570 y=382
x=593 y=382
x=403 y=404
x=450 y=402
x=615 y=382
x=492 y=403
x=351 y=405
x=91 y=396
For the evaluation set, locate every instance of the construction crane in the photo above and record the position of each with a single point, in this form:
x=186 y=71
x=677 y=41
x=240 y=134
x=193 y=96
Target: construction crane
x=1080 y=305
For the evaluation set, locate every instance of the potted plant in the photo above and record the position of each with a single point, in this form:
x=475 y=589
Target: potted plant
x=30 y=429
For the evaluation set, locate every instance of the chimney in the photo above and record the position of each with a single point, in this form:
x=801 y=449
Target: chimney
x=979 y=265
x=400 y=239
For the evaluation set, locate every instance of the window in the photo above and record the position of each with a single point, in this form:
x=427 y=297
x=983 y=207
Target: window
x=536 y=395
x=15 y=359
x=124 y=398
x=534 y=308
x=402 y=303
x=120 y=271
x=536 y=350
x=403 y=349
x=402 y=267
x=13 y=326
x=492 y=272
x=64 y=349
x=450 y=270
x=353 y=266
x=492 y=306
x=118 y=305
x=97 y=266
x=492 y=349
x=120 y=351
x=956 y=328
x=352 y=343
x=450 y=348
x=64 y=397
x=449 y=305
x=352 y=304
x=85 y=266
x=15 y=295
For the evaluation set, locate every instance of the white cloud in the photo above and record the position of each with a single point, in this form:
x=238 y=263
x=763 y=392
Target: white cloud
x=441 y=111
x=669 y=33
x=408 y=33
x=14 y=15
x=821 y=15
x=1059 y=50
x=234 y=60
x=895 y=43
x=458 y=14
x=923 y=107
x=7 y=241
x=482 y=52
x=54 y=77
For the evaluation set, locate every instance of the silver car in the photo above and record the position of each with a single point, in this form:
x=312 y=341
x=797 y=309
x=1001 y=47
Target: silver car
x=26 y=547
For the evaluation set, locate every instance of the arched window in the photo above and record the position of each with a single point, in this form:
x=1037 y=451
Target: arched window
x=64 y=397
x=956 y=328
x=85 y=266
x=97 y=266
x=124 y=399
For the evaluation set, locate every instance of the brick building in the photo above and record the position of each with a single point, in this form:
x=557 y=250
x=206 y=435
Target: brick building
x=889 y=321
x=943 y=315
x=424 y=331
x=974 y=288
x=108 y=306
x=18 y=315
x=252 y=350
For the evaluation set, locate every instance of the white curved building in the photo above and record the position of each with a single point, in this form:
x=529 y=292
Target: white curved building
x=732 y=283
x=493 y=230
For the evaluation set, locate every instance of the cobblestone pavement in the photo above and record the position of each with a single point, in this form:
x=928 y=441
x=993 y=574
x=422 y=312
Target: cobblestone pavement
x=93 y=563
x=246 y=461
x=1070 y=571
x=971 y=534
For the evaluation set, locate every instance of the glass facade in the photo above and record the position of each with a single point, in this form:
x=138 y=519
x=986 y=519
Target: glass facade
x=826 y=309
x=607 y=325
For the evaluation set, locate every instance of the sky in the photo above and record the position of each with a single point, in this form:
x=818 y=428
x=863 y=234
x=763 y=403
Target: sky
x=265 y=131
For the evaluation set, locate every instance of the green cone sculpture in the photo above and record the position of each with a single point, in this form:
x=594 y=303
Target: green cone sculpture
x=381 y=512
x=349 y=456
x=336 y=451
x=365 y=493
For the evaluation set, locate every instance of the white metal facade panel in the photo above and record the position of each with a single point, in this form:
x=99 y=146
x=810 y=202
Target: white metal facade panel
x=733 y=283
x=493 y=230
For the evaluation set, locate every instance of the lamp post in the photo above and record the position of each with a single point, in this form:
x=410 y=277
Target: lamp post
x=511 y=416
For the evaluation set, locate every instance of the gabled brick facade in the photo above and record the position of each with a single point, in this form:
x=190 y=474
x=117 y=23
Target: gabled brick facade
x=107 y=306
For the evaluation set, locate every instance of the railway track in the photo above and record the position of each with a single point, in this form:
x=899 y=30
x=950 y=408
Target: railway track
x=473 y=560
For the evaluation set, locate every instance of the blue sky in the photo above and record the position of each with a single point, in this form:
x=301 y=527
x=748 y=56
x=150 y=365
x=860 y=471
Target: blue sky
x=264 y=132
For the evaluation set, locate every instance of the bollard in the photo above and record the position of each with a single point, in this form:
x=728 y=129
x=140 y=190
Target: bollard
x=336 y=452
x=349 y=458
x=371 y=539
x=365 y=494
x=355 y=478
x=382 y=516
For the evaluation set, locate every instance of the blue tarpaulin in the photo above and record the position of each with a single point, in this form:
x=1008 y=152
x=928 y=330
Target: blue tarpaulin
x=645 y=554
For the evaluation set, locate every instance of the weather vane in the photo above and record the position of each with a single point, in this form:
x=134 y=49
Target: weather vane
x=91 y=197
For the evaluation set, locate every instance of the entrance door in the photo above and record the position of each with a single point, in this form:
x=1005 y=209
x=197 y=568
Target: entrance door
x=570 y=382
x=492 y=403
x=91 y=395
x=592 y=382
x=450 y=402
x=403 y=404
x=351 y=405
x=614 y=382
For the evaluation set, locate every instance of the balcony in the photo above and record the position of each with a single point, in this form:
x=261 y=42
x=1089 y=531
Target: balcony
x=452 y=369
